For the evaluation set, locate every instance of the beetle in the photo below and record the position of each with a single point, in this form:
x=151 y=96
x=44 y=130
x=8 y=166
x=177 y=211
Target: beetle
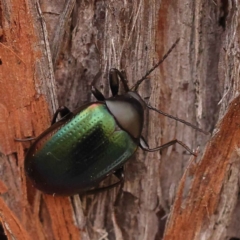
x=81 y=149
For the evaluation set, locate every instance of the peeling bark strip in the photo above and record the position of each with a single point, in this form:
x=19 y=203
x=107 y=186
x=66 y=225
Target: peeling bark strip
x=86 y=39
x=210 y=210
x=27 y=95
x=196 y=215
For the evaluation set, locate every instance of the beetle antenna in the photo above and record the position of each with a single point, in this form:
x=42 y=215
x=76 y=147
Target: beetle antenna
x=135 y=87
x=177 y=119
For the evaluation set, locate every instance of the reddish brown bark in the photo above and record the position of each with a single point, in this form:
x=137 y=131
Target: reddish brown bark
x=211 y=201
x=25 y=100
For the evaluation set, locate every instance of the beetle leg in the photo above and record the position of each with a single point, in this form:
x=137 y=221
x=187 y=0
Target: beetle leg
x=24 y=139
x=63 y=112
x=97 y=94
x=114 y=81
x=119 y=174
x=144 y=146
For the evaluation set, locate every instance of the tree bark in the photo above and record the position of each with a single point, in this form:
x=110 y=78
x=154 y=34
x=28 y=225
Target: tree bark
x=77 y=43
x=28 y=98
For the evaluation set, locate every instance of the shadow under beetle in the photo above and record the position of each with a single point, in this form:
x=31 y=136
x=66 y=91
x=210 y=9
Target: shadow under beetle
x=76 y=153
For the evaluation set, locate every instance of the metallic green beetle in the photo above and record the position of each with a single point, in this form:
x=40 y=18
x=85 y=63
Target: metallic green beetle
x=85 y=146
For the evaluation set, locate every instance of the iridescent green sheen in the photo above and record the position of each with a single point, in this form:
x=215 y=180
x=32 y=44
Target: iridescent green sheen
x=80 y=152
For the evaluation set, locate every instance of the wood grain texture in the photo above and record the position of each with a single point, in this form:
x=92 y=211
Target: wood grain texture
x=27 y=99
x=198 y=82
x=210 y=209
